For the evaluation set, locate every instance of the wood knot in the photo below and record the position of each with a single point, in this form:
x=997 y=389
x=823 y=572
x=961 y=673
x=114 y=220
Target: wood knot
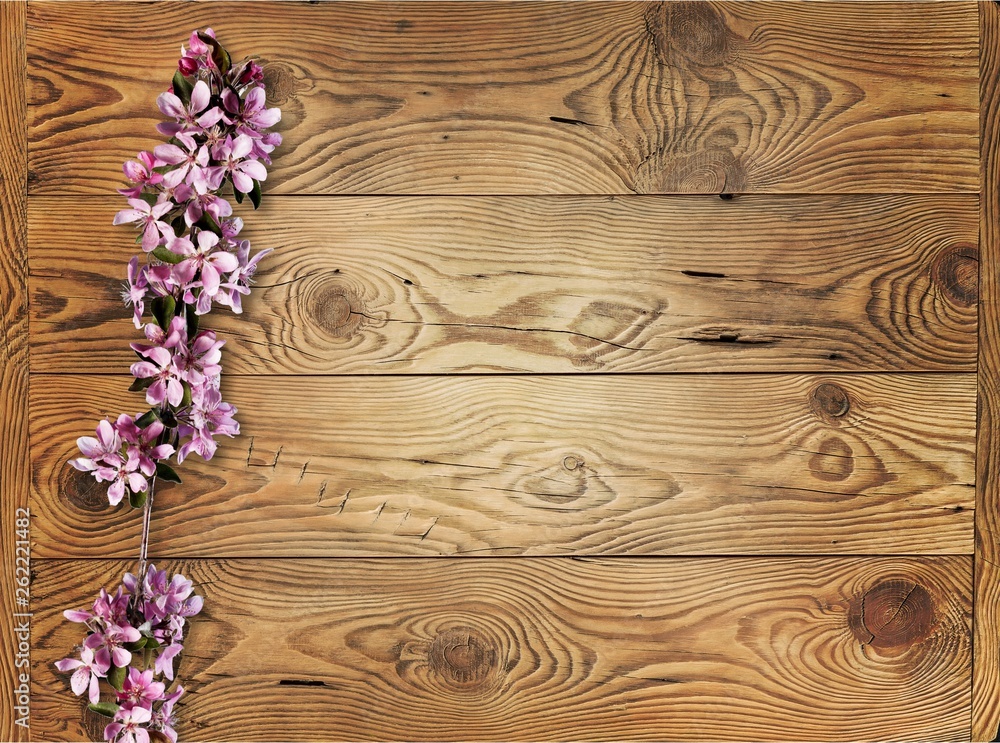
x=83 y=491
x=571 y=463
x=463 y=656
x=335 y=308
x=956 y=273
x=280 y=82
x=894 y=614
x=694 y=32
x=833 y=461
x=829 y=400
x=713 y=170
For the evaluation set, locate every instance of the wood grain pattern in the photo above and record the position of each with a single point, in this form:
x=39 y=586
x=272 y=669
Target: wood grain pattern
x=14 y=473
x=986 y=676
x=688 y=464
x=553 y=649
x=549 y=284
x=538 y=97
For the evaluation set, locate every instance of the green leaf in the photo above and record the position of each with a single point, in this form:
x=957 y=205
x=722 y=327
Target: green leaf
x=166 y=472
x=108 y=709
x=237 y=194
x=149 y=198
x=255 y=194
x=116 y=677
x=220 y=56
x=152 y=643
x=186 y=399
x=168 y=418
x=182 y=87
x=208 y=223
x=163 y=310
x=166 y=255
x=136 y=500
x=139 y=385
x=146 y=418
x=137 y=645
x=192 y=320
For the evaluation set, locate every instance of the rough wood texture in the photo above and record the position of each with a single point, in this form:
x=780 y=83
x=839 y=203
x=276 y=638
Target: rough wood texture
x=549 y=284
x=553 y=649
x=538 y=97
x=696 y=464
x=14 y=474
x=986 y=671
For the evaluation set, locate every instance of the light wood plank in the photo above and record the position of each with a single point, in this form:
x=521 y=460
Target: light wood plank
x=693 y=464
x=552 y=649
x=986 y=677
x=549 y=284
x=538 y=97
x=14 y=473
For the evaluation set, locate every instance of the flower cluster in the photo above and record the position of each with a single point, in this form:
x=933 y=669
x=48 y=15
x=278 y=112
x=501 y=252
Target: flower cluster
x=145 y=622
x=193 y=260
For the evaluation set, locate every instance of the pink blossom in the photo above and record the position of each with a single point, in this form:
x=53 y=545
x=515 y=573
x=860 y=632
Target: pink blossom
x=142 y=447
x=204 y=200
x=108 y=645
x=86 y=673
x=135 y=290
x=208 y=417
x=191 y=119
x=148 y=219
x=104 y=449
x=232 y=154
x=192 y=159
x=127 y=727
x=238 y=282
x=139 y=689
x=163 y=718
x=205 y=260
x=249 y=115
x=141 y=173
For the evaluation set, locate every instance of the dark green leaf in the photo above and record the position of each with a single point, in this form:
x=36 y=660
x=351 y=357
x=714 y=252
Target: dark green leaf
x=116 y=677
x=208 y=223
x=219 y=54
x=168 y=418
x=237 y=194
x=108 y=709
x=166 y=472
x=146 y=418
x=182 y=88
x=192 y=320
x=255 y=194
x=149 y=198
x=186 y=400
x=178 y=224
x=163 y=310
x=167 y=256
x=152 y=643
x=136 y=500
x=137 y=645
x=140 y=384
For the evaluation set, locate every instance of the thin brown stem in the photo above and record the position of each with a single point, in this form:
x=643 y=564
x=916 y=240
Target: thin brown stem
x=144 y=544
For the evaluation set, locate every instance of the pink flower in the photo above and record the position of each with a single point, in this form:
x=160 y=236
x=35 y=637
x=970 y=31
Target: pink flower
x=127 y=726
x=105 y=449
x=135 y=290
x=237 y=284
x=139 y=689
x=232 y=154
x=165 y=660
x=141 y=173
x=159 y=367
x=108 y=645
x=86 y=673
x=208 y=417
x=205 y=200
x=163 y=718
x=190 y=119
x=142 y=448
x=211 y=263
x=192 y=159
x=249 y=115
x=148 y=219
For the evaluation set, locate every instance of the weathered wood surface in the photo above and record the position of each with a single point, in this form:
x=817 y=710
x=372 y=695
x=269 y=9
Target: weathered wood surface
x=537 y=97
x=549 y=284
x=680 y=464
x=818 y=649
x=986 y=671
x=14 y=472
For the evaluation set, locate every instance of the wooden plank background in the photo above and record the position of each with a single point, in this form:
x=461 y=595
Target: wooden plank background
x=703 y=468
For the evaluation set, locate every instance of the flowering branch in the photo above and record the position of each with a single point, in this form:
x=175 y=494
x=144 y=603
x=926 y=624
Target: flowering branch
x=194 y=260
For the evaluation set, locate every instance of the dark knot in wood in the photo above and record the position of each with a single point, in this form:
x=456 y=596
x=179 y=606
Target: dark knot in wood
x=834 y=461
x=692 y=32
x=956 y=273
x=829 y=400
x=280 y=82
x=463 y=657
x=894 y=614
x=83 y=491
x=335 y=308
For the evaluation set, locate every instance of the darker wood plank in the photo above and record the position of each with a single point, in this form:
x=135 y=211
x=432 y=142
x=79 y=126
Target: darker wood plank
x=14 y=473
x=986 y=677
x=823 y=649
x=677 y=464
x=390 y=285
x=551 y=97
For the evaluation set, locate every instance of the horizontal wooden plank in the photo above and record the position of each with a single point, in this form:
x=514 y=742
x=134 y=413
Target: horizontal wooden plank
x=549 y=284
x=550 y=649
x=537 y=97
x=693 y=464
